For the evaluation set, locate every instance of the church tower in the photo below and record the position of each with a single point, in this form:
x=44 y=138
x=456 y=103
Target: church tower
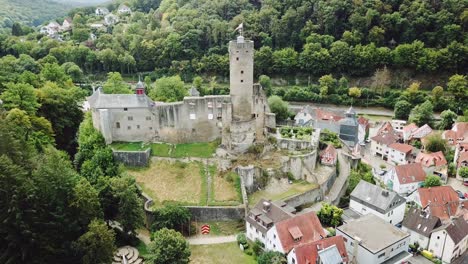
x=241 y=65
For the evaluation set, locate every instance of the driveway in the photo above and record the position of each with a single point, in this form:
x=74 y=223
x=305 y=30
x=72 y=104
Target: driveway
x=419 y=260
x=457 y=185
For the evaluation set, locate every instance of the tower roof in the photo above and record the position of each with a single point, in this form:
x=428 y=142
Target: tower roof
x=140 y=85
x=193 y=91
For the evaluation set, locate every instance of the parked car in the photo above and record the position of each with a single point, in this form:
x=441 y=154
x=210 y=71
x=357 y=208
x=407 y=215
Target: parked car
x=465 y=182
x=461 y=195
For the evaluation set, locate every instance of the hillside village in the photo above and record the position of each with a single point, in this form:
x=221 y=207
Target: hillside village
x=193 y=154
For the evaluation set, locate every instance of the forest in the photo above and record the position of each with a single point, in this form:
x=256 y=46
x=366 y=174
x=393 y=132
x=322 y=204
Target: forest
x=59 y=184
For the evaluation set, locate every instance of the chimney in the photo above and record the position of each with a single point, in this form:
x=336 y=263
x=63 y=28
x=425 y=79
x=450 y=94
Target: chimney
x=385 y=193
x=357 y=242
x=266 y=206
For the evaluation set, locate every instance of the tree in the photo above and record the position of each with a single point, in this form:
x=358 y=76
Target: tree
x=171 y=217
x=168 y=89
x=402 y=109
x=354 y=92
x=329 y=82
x=86 y=199
x=463 y=172
x=16 y=29
x=279 y=107
x=265 y=82
x=54 y=73
x=115 y=84
x=381 y=79
x=96 y=246
x=168 y=247
x=458 y=86
x=422 y=114
x=431 y=181
x=271 y=257
x=448 y=118
x=437 y=93
x=21 y=96
x=330 y=215
x=434 y=143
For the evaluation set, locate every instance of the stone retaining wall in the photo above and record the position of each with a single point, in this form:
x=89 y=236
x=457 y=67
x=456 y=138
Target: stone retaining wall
x=133 y=158
x=312 y=196
x=216 y=213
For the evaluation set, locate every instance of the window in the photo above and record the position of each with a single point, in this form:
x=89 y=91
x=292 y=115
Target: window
x=237 y=58
x=148 y=118
x=138 y=126
x=294 y=261
x=242 y=81
x=117 y=125
x=129 y=127
x=130 y=118
x=242 y=72
x=150 y=128
x=125 y=109
x=381 y=255
x=345 y=239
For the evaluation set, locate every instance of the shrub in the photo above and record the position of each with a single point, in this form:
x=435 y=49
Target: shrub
x=242 y=240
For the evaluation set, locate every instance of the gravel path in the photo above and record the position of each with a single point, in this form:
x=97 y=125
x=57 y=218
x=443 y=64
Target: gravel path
x=207 y=240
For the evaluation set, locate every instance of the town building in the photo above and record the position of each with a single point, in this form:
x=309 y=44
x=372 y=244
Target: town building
x=406 y=178
x=124 y=9
x=420 y=224
x=363 y=129
x=408 y=131
x=458 y=134
x=385 y=136
x=346 y=126
x=101 y=11
x=328 y=156
x=461 y=157
x=327 y=250
x=420 y=133
x=433 y=163
x=398 y=125
x=440 y=201
x=368 y=198
x=450 y=241
x=239 y=119
x=295 y=231
x=370 y=239
x=400 y=153
x=264 y=216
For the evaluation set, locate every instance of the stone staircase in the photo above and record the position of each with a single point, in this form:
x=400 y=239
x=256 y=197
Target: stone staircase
x=127 y=255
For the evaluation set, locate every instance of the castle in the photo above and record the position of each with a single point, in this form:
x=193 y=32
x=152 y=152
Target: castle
x=239 y=119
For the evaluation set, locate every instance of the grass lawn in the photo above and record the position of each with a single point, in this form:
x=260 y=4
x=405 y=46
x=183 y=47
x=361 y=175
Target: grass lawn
x=179 y=182
x=227 y=253
x=222 y=228
x=375 y=118
x=198 y=150
x=129 y=146
x=282 y=191
x=224 y=191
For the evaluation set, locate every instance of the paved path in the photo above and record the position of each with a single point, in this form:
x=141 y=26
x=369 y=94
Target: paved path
x=333 y=195
x=207 y=240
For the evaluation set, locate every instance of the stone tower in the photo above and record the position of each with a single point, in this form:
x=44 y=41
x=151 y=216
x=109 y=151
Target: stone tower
x=241 y=63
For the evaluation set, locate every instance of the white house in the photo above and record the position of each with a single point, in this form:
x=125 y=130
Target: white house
x=458 y=134
x=450 y=241
x=386 y=135
x=101 y=11
x=111 y=19
x=408 y=131
x=405 y=178
x=398 y=125
x=420 y=224
x=295 y=231
x=399 y=153
x=370 y=239
x=368 y=198
x=124 y=9
x=304 y=117
x=327 y=250
x=264 y=216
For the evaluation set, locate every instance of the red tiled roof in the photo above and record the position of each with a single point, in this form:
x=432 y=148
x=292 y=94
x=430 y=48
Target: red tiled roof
x=410 y=128
x=325 y=115
x=307 y=224
x=329 y=150
x=422 y=131
x=308 y=253
x=385 y=128
x=431 y=159
x=459 y=133
x=410 y=173
x=463 y=157
x=405 y=148
x=386 y=139
x=443 y=201
x=363 y=121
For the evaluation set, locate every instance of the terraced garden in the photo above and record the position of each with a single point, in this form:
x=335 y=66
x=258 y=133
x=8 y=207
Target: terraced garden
x=198 y=150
